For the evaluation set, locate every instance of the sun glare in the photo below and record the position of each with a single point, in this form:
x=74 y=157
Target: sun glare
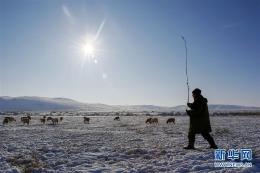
x=88 y=45
x=88 y=49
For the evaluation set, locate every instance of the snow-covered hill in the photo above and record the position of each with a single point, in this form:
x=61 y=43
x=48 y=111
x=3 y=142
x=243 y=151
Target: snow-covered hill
x=45 y=103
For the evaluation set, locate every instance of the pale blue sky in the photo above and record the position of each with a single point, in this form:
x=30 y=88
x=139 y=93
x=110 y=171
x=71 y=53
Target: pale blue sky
x=139 y=52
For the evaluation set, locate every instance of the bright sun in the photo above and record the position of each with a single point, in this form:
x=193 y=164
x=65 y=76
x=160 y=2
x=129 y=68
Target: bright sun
x=88 y=49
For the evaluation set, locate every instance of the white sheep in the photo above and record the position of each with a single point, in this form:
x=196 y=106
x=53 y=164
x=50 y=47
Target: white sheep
x=27 y=117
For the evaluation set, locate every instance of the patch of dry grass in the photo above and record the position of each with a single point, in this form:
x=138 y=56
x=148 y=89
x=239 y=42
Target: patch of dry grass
x=222 y=131
x=26 y=161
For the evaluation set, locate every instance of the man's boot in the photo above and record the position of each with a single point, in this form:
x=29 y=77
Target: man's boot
x=212 y=143
x=190 y=146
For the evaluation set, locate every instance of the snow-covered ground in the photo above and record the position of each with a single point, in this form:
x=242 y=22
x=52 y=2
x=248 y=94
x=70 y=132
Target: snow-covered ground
x=128 y=145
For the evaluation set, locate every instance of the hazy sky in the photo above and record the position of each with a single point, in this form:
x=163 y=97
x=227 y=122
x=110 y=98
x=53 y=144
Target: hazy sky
x=138 y=54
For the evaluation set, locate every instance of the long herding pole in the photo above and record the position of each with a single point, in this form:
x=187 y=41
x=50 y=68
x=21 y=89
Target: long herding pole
x=187 y=68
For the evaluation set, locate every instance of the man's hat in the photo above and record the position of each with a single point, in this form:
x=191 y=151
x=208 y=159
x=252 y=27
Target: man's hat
x=197 y=91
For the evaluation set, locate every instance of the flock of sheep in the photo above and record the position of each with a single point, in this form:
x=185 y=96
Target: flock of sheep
x=26 y=120
x=155 y=120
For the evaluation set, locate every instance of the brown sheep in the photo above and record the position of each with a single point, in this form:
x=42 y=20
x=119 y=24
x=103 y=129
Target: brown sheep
x=154 y=120
x=116 y=118
x=148 y=120
x=7 y=118
x=43 y=120
x=26 y=121
x=170 y=120
x=10 y=118
x=49 y=118
x=86 y=119
x=5 y=121
x=44 y=116
x=55 y=120
x=61 y=118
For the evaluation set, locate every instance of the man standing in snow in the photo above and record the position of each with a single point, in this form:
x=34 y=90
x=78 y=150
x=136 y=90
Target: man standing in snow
x=199 y=120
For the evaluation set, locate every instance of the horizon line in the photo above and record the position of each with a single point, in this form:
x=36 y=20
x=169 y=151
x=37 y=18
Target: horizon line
x=125 y=104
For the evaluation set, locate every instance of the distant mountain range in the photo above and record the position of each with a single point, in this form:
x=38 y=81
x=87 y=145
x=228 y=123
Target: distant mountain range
x=45 y=103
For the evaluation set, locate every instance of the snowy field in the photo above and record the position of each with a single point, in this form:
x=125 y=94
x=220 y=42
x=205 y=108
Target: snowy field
x=128 y=145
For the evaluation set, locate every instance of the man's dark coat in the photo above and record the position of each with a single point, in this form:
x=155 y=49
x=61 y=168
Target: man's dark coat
x=199 y=116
